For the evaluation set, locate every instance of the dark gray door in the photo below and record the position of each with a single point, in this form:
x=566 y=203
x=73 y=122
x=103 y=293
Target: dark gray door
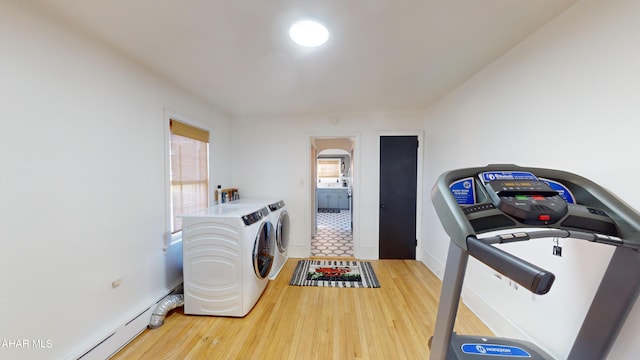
x=398 y=192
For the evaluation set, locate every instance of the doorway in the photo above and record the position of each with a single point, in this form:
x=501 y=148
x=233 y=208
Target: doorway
x=398 y=197
x=332 y=198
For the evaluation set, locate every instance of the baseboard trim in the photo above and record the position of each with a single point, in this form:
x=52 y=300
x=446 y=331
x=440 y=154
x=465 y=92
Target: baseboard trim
x=117 y=339
x=495 y=321
x=297 y=251
x=434 y=265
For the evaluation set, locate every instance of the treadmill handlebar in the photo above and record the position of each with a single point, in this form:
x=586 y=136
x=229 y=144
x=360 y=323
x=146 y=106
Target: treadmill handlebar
x=552 y=233
x=534 y=278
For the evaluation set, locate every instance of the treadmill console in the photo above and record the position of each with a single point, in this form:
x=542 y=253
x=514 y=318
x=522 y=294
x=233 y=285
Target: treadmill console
x=531 y=202
x=501 y=199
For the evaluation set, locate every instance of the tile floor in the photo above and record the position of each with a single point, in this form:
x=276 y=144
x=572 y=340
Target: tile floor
x=334 y=236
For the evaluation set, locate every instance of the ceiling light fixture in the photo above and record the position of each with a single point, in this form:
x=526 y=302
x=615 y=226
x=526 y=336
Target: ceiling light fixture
x=309 y=33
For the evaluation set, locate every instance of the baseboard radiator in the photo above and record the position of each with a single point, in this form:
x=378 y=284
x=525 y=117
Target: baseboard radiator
x=125 y=333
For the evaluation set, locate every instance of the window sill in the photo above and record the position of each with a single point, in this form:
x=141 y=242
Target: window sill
x=173 y=241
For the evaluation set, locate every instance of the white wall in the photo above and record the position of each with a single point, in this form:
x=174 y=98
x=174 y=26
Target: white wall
x=69 y=229
x=271 y=156
x=567 y=98
x=82 y=153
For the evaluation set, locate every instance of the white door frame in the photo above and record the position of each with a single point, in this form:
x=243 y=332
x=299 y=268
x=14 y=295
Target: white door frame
x=355 y=190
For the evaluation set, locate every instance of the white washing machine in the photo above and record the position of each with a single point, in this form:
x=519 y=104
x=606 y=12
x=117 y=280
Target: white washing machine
x=280 y=220
x=228 y=252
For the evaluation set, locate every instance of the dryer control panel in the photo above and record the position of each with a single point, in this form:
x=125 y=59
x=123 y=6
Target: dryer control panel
x=531 y=202
x=255 y=216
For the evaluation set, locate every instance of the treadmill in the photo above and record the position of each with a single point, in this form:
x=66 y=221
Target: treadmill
x=527 y=204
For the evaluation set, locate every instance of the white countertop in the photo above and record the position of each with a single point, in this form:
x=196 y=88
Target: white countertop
x=331 y=186
x=227 y=210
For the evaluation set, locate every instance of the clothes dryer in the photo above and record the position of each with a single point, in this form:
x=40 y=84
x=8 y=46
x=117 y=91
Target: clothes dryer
x=280 y=219
x=228 y=252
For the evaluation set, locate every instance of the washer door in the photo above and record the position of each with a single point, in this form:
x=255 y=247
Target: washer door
x=282 y=232
x=263 y=250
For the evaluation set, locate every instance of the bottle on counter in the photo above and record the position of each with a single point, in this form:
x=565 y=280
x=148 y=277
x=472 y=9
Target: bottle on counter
x=217 y=194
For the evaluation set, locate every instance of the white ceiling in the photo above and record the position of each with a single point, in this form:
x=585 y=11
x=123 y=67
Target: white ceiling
x=382 y=54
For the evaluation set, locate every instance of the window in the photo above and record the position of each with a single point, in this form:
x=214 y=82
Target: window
x=189 y=174
x=328 y=168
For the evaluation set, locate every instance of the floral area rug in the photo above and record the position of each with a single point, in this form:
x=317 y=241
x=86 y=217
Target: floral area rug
x=334 y=273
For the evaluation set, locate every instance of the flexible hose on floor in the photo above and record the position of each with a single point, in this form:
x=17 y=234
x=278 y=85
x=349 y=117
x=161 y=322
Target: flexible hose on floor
x=164 y=306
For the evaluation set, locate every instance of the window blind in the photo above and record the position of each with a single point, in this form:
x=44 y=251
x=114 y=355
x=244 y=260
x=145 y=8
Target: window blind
x=186 y=130
x=189 y=171
x=328 y=168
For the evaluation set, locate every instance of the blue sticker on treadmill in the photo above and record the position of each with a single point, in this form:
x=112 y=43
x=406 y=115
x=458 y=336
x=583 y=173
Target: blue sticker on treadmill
x=464 y=191
x=495 y=350
x=506 y=175
x=564 y=192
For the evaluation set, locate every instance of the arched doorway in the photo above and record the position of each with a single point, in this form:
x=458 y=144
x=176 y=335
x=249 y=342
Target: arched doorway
x=333 y=171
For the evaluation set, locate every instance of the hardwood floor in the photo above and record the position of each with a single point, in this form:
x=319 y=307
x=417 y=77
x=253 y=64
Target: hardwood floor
x=394 y=321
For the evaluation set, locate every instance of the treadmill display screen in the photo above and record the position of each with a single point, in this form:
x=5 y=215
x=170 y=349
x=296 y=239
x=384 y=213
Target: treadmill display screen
x=531 y=202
